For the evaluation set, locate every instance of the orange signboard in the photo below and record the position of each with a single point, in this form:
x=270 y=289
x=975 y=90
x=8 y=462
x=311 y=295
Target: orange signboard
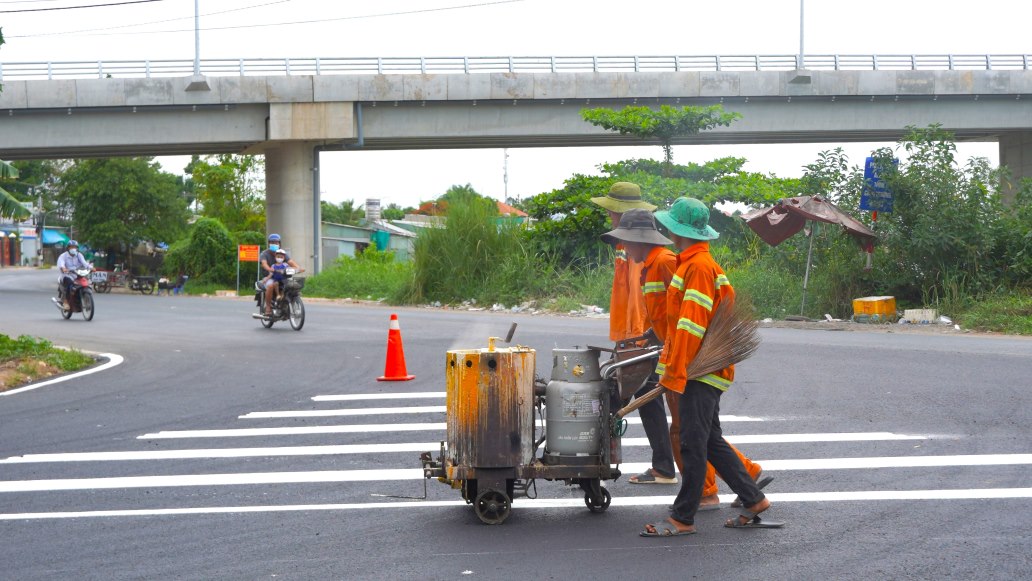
x=248 y=252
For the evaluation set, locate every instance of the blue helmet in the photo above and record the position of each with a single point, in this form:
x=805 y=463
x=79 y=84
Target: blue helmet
x=274 y=237
x=72 y=243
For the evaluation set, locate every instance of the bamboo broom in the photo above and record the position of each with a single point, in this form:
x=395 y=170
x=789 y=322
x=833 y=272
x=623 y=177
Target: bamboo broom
x=730 y=338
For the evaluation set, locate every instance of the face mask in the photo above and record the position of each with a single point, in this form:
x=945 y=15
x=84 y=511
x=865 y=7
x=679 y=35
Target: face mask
x=274 y=247
x=72 y=251
x=278 y=260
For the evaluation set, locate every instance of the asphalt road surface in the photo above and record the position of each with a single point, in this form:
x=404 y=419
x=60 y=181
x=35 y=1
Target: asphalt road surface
x=221 y=450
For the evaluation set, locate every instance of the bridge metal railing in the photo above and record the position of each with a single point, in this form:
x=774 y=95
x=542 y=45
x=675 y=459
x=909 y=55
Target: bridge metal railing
x=506 y=64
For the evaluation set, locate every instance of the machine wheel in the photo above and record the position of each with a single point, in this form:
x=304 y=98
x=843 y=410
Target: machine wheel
x=147 y=288
x=297 y=313
x=66 y=313
x=102 y=287
x=267 y=323
x=598 y=505
x=492 y=507
x=86 y=299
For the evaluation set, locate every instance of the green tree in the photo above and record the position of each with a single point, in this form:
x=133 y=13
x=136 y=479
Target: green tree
x=663 y=125
x=392 y=212
x=120 y=202
x=9 y=205
x=230 y=188
x=343 y=212
x=207 y=254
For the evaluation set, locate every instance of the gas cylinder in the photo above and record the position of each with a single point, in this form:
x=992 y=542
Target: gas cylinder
x=573 y=406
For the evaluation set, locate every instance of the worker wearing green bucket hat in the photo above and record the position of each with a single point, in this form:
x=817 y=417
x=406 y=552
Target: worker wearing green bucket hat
x=698 y=288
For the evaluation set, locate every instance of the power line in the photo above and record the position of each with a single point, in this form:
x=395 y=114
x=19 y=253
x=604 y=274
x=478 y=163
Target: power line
x=297 y=22
x=78 y=7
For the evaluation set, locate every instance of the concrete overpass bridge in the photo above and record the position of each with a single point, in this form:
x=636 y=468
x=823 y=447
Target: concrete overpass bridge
x=291 y=109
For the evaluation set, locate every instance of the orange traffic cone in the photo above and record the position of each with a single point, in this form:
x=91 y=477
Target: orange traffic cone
x=395 y=368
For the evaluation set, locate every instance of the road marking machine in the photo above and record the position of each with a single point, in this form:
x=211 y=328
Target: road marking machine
x=499 y=415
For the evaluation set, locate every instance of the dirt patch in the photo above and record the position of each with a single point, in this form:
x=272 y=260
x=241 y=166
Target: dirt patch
x=19 y=372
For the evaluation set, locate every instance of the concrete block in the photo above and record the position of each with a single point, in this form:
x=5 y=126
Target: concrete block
x=1021 y=82
x=425 y=87
x=311 y=121
x=640 y=85
x=992 y=82
x=954 y=82
x=47 y=94
x=593 y=86
x=381 y=88
x=149 y=92
x=290 y=89
x=844 y=83
x=335 y=88
x=759 y=84
x=14 y=95
x=512 y=86
x=679 y=84
x=243 y=90
x=554 y=86
x=877 y=83
x=213 y=96
x=915 y=82
x=719 y=84
x=469 y=87
x=99 y=92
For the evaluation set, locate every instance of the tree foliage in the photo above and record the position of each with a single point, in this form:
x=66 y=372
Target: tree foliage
x=119 y=202
x=207 y=254
x=392 y=212
x=230 y=188
x=343 y=212
x=9 y=206
x=663 y=125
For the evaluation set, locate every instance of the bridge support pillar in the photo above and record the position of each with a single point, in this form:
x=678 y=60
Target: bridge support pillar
x=290 y=198
x=1016 y=154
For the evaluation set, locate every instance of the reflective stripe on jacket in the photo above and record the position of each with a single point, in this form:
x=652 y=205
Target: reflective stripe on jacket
x=699 y=285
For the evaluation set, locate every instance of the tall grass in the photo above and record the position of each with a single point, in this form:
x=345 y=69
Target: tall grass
x=370 y=275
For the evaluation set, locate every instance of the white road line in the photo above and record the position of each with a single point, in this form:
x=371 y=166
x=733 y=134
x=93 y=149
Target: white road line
x=523 y=503
x=401 y=447
x=367 y=396
x=339 y=429
x=113 y=360
x=430 y=409
x=417 y=473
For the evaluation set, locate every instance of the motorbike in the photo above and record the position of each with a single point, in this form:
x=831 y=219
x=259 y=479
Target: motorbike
x=287 y=306
x=81 y=298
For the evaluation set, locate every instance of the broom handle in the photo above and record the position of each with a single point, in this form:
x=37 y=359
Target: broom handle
x=638 y=402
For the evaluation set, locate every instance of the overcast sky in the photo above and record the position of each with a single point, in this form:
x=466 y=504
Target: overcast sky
x=164 y=29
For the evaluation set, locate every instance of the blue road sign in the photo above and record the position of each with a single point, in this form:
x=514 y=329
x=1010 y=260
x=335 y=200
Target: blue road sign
x=876 y=196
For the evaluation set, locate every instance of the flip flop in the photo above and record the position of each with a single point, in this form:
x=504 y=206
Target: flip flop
x=664 y=529
x=754 y=522
x=761 y=483
x=650 y=476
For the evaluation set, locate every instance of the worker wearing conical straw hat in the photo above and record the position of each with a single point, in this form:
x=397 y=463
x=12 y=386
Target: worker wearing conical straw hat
x=697 y=289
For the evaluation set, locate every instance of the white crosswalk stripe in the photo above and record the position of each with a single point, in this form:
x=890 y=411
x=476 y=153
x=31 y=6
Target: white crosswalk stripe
x=401 y=461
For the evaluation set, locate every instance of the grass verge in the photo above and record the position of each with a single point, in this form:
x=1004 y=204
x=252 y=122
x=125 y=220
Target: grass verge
x=27 y=359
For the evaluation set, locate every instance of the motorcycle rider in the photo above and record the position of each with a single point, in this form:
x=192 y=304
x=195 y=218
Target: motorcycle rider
x=67 y=263
x=268 y=260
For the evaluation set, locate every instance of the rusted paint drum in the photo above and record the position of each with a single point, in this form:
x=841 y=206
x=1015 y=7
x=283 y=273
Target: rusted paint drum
x=490 y=407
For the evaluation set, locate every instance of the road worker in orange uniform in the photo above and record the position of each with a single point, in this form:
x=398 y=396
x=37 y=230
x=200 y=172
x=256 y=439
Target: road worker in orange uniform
x=645 y=245
x=697 y=289
x=627 y=320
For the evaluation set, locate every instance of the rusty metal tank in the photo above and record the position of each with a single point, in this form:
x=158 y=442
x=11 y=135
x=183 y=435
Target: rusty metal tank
x=490 y=409
x=573 y=406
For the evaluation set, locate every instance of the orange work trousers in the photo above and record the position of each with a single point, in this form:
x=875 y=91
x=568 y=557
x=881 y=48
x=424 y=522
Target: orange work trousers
x=710 y=486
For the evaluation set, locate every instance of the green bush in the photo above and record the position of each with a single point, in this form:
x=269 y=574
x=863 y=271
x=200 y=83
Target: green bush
x=206 y=255
x=1001 y=313
x=371 y=274
x=35 y=348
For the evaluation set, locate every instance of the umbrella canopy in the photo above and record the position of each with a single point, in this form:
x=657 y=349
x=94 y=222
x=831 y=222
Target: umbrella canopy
x=786 y=218
x=54 y=237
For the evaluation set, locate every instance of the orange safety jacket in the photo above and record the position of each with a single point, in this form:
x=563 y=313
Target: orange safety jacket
x=627 y=317
x=698 y=287
x=656 y=275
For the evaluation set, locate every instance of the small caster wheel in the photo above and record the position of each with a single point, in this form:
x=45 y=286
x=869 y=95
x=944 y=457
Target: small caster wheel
x=597 y=505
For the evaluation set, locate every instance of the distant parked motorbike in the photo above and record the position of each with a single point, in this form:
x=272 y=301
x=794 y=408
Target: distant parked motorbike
x=81 y=298
x=287 y=306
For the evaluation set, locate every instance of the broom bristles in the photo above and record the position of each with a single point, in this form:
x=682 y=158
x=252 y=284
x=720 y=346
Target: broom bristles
x=730 y=338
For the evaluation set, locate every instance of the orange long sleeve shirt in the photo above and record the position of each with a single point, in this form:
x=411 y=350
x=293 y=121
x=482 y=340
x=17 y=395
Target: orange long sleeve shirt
x=627 y=316
x=698 y=287
x=657 y=272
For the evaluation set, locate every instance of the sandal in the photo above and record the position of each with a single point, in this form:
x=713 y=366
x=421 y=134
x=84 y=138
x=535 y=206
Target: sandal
x=650 y=476
x=761 y=483
x=664 y=529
